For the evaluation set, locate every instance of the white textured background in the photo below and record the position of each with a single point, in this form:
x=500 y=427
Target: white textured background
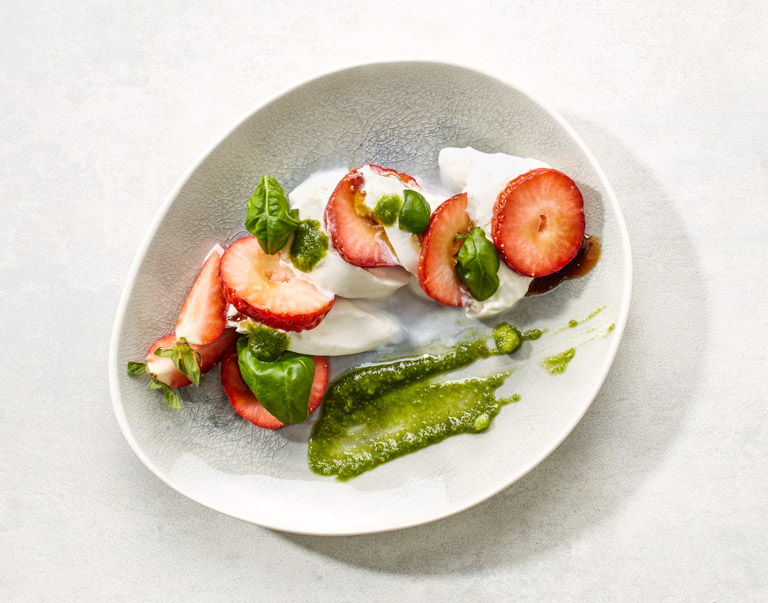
x=661 y=491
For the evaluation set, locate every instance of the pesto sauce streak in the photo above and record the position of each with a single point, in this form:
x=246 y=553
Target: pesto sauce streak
x=376 y=413
x=559 y=362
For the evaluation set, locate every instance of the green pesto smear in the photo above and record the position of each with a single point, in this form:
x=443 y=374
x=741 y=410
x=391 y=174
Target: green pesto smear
x=533 y=334
x=373 y=414
x=309 y=246
x=575 y=323
x=559 y=362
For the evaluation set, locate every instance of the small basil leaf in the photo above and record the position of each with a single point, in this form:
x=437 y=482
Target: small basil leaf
x=269 y=218
x=265 y=343
x=309 y=245
x=155 y=385
x=414 y=215
x=477 y=265
x=283 y=387
x=387 y=209
x=171 y=397
x=137 y=368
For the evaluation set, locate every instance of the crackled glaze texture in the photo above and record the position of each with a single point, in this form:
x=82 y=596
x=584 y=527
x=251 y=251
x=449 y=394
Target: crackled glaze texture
x=397 y=115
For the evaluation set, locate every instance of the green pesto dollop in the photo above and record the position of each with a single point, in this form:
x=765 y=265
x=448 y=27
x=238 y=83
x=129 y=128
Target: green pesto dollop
x=388 y=209
x=532 y=334
x=573 y=323
x=265 y=343
x=309 y=246
x=373 y=414
x=558 y=362
x=507 y=338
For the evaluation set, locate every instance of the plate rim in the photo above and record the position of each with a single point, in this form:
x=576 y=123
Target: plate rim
x=169 y=199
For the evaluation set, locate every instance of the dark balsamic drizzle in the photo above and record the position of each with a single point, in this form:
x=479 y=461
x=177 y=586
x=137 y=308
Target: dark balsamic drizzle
x=580 y=265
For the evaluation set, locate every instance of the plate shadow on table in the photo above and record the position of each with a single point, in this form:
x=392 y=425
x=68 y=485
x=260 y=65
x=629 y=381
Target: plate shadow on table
x=627 y=432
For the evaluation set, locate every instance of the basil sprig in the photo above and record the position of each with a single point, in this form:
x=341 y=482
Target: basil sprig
x=283 y=387
x=270 y=218
x=414 y=215
x=477 y=264
x=171 y=397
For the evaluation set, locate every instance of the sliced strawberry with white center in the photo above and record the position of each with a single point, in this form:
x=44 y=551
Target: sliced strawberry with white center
x=204 y=313
x=437 y=260
x=356 y=235
x=164 y=370
x=538 y=222
x=245 y=403
x=269 y=289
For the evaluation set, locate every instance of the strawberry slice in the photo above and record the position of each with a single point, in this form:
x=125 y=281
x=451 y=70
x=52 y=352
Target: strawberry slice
x=538 y=222
x=269 y=289
x=437 y=260
x=204 y=313
x=245 y=403
x=355 y=234
x=163 y=370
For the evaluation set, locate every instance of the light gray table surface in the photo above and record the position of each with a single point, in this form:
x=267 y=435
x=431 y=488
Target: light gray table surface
x=659 y=493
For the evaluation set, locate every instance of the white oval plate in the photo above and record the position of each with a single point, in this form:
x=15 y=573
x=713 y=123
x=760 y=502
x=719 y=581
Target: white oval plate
x=399 y=115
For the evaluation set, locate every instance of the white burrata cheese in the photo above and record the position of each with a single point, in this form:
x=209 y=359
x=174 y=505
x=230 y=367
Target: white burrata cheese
x=483 y=176
x=347 y=329
x=332 y=273
x=404 y=243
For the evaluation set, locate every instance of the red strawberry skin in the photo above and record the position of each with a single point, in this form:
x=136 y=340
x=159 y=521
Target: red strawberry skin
x=267 y=288
x=246 y=404
x=166 y=372
x=204 y=314
x=538 y=222
x=360 y=240
x=437 y=260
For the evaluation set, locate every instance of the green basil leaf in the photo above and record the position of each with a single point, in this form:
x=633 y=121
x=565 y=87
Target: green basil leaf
x=171 y=397
x=309 y=245
x=265 y=343
x=283 y=386
x=414 y=215
x=387 y=209
x=164 y=352
x=269 y=218
x=137 y=368
x=477 y=265
x=155 y=385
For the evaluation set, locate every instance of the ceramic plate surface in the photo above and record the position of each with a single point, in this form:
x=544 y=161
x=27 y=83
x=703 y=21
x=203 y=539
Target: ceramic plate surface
x=397 y=115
